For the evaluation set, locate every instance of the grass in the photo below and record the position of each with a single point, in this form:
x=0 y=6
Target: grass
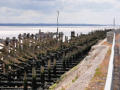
x=98 y=80
x=52 y=87
x=75 y=78
x=98 y=72
x=74 y=68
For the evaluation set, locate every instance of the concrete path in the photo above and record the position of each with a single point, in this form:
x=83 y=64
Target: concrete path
x=79 y=77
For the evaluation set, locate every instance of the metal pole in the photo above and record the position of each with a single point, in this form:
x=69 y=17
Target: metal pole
x=114 y=23
x=57 y=20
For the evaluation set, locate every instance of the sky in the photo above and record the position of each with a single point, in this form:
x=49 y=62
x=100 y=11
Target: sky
x=71 y=11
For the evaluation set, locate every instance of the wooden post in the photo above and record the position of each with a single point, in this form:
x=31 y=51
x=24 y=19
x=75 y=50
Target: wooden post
x=25 y=81
x=42 y=77
x=34 y=86
x=49 y=69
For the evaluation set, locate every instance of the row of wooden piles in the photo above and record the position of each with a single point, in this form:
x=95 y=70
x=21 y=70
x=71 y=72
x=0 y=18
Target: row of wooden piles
x=36 y=61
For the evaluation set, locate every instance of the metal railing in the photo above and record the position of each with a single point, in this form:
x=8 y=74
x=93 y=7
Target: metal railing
x=108 y=83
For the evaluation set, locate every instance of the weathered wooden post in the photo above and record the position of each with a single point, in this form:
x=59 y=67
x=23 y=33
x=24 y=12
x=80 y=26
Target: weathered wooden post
x=4 y=68
x=49 y=69
x=61 y=38
x=77 y=35
x=72 y=34
x=28 y=35
x=42 y=76
x=24 y=35
x=7 y=41
x=25 y=81
x=20 y=39
x=66 y=39
x=64 y=62
x=13 y=41
x=34 y=85
x=54 y=66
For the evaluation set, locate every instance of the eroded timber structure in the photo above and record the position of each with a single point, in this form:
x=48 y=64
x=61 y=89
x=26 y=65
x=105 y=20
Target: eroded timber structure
x=36 y=61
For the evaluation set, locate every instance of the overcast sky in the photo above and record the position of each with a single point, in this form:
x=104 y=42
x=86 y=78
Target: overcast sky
x=71 y=11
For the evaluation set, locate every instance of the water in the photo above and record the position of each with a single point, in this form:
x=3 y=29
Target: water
x=13 y=31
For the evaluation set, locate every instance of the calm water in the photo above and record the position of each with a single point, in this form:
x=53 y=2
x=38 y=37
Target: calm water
x=13 y=31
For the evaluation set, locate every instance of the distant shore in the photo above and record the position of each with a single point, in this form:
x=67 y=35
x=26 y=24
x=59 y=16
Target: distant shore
x=48 y=24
